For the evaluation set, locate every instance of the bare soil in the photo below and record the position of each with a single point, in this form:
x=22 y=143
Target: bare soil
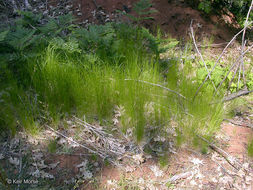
x=173 y=17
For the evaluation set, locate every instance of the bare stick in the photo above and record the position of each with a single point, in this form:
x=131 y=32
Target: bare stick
x=14 y=5
x=241 y=64
x=237 y=95
x=27 y=5
x=201 y=57
x=95 y=3
x=239 y=124
x=20 y=166
x=217 y=61
x=90 y=150
x=243 y=43
x=213 y=45
x=230 y=83
x=180 y=176
x=158 y=86
x=234 y=65
x=231 y=160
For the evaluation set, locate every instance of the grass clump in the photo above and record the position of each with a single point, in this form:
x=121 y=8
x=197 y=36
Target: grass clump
x=250 y=148
x=91 y=71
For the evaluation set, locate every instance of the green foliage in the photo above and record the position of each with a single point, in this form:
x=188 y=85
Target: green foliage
x=205 y=6
x=239 y=8
x=250 y=148
x=143 y=10
x=218 y=75
x=52 y=146
x=55 y=70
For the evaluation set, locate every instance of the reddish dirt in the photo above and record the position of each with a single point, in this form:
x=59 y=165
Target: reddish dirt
x=181 y=162
x=238 y=139
x=173 y=18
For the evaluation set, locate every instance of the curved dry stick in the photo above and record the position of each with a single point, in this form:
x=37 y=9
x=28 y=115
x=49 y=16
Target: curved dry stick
x=233 y=66
x=243 y=43
x=201 y=57
x=95 y=3
x=231 y=160
x=231 y=41
x=230 y=83
x=241 y=64
x=158 y=85
x=237 y=95
x=87 y=148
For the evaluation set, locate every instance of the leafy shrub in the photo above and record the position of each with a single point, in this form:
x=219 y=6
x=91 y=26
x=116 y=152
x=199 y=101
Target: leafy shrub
x=239 y=8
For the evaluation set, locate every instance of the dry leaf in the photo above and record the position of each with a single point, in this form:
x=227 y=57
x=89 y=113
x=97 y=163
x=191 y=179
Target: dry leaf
x=139 y=158
x=36 y=173
x=46 y=175
x=53 y=165
x=14 y=161
x=196 y=161
x=192 y=182
x=156 y=171
x=129 y=169
x=41 y=165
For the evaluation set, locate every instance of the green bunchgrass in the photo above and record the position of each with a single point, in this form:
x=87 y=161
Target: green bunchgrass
x=52 y=146
x=68 y=78
x=250 y=148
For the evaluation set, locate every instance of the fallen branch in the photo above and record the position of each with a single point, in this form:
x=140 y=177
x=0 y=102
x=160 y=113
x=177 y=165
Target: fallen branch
x=158 y=85
x=236 y=95
x=175 y=178
x=109 y=144
x=231 y=160
x=71 y=140
x=179 y=176
x=213 y=45
x=239 y=124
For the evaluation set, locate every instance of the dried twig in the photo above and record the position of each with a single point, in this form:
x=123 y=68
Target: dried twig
x=27 y=5
x=95 y=3
x=158 y=85
x=177 y=177
x=110 y=144
x=217 y=61
x=237 y=95
x=233 y=66
x=243 y=44
x=71 y=140
x=231 y=160
x=201 y=57
x=213 y=45
x=239 y=124
x=20 y=166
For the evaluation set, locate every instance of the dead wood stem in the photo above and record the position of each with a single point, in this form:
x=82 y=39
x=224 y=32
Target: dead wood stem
x=231 y=160
x=201 y=57
x=90 y=150
x=217 y=61
x=244 y=43
x=158 y=85
x=240 y=124
x=233 y=66
x=95 y=3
